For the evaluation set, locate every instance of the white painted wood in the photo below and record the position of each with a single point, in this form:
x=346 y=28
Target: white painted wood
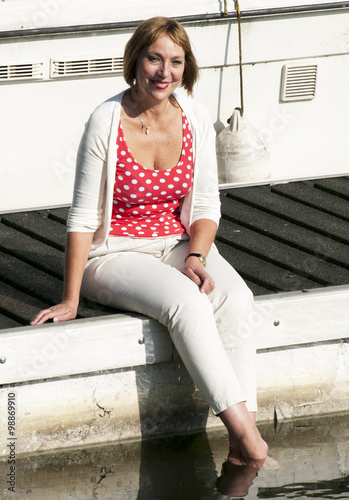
x=298 y=318
x=112 y=342
x=82 y=346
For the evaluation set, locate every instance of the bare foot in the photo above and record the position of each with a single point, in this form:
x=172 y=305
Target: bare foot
x=246 y=444
x=235 y=456
x=250 y=450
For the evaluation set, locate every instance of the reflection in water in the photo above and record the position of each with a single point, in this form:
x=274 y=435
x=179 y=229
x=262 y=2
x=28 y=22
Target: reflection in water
x=313 y=457
x=235 y=481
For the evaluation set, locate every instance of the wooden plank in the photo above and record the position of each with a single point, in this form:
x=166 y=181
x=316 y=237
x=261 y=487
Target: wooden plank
x=269 y=229
x=89 y=309
x=256 y=289
x=338 y=186
x=306 y=194
x=123 y=341
x=36 y=290
x=30 y=280
x=261 y=197
x=7 y=322
x=19 y=306
x=31 y=250
x=83 y=346
x=304 y=318
x=296 y=261
x=38 y=225
x=59 y=214
x=286 y=231
x=263 y=273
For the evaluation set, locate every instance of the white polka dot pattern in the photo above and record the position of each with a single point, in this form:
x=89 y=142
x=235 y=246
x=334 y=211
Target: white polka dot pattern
x=146 y=202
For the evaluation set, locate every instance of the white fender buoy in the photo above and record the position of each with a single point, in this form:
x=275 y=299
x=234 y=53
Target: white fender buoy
x=242 y=152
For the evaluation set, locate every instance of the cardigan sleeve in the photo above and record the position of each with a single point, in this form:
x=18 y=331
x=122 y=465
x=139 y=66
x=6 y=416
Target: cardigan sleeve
x=206 y=202
x=86 y=213
x=206 y=199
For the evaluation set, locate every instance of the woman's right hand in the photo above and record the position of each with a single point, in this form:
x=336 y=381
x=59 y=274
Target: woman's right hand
x=64 y=311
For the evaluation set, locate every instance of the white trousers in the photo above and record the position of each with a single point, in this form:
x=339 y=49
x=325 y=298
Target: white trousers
x=211 y=332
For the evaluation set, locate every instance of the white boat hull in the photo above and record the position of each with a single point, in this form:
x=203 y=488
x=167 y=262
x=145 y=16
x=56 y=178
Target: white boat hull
x=43 y=117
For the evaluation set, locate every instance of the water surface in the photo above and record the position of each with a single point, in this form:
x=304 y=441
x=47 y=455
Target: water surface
x=312 y=454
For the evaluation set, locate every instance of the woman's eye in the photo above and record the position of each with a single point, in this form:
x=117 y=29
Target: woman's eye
x=177 y=62
x=153 y=59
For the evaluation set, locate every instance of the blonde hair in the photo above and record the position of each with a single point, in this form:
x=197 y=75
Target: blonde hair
x=148 y=33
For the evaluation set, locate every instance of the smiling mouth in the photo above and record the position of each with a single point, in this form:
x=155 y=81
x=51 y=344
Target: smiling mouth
x=160 y=85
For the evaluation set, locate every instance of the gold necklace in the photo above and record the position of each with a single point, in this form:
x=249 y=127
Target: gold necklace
x=142 y=122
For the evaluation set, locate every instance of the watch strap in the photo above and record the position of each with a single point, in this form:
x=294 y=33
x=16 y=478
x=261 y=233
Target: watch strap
x=200 y=256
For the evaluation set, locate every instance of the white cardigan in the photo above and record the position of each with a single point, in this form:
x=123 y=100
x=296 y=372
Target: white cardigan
x=96 y=164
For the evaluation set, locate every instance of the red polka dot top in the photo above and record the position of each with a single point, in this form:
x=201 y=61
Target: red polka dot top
x=146 y=203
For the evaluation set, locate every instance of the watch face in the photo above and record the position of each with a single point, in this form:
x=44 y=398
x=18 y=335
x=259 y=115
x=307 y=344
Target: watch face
x=203 y=259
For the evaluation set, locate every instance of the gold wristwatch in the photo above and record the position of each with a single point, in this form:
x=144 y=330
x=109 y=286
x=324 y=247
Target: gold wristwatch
x=200 y=256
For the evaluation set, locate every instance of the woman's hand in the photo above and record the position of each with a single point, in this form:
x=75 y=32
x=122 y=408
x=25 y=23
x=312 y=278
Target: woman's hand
x=76 y=252
x=194 y=269
x=64 y=311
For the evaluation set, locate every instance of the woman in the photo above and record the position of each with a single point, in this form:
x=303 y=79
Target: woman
x=142 y=224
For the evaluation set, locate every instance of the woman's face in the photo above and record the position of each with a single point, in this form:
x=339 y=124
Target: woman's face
x=159 y=69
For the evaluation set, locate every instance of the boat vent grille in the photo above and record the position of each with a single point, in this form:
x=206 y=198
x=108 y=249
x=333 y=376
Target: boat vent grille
x=84 y=67
x=298 y=82
x=29 y=71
